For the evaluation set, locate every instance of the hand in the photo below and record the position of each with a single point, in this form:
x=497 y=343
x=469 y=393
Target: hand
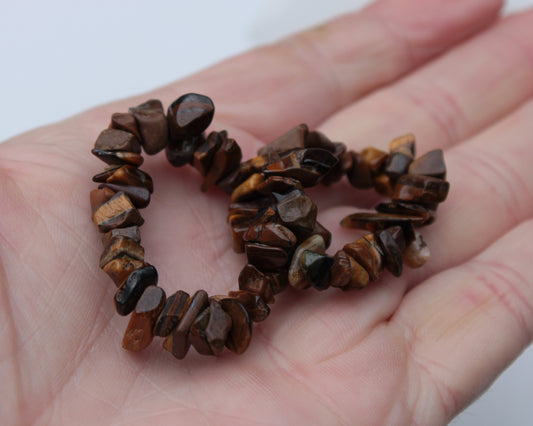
x=409 y=350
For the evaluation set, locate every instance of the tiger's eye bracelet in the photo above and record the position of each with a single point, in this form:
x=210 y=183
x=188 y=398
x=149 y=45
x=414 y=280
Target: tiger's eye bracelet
x=271 y=217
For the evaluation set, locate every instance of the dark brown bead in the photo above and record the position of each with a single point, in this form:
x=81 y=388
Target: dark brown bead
x=315 y=139
x=131 y=232
x=231 y=181
x=374 y=159
x=117 y=140
x=416 y=253
x=125 y=121
x=239 y=225
x=118 y=157
x=152 y=125
x=125 y=175
x=344 y=163
x=317 y=267
x=297 y=275
x=180 y=152
x=272 y=234
x=420 y=189
x=404 y=144
x=366 y=252
x=197 y=335
x=278 y=184
x=278 y=281
x=377 y=221
x=225 y=161
x=294 y=138
x=397 y=164
x=248 y=190
x=398 y=235
x=296 y=210
x=120 y=268
x=138 y=334
x=175 y=306
x=99 y=197
x=189 y=115
x=392 y=254
x=257 y=164
x=346 y=273
x=430 y=164
x=118 y=212
x=383 y=184
x=204 y=154
x=139 y=195
x=129 y=293
x=254 y=281
x=217 y=328
x=359 y=175
x=119 y=246
x=267 y=258
x=240 y=335
x=407 y=209
x=248 y=208
x=178 y=342
x=305 y=165
x=254 y=304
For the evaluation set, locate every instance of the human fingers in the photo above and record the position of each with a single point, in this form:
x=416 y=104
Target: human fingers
x=466 y=324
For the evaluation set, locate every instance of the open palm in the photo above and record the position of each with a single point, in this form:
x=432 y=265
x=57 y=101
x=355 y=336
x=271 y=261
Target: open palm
x=409 y=350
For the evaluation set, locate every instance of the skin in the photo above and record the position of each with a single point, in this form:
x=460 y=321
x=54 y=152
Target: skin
x=409 y=350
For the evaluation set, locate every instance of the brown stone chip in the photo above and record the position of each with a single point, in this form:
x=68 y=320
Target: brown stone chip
x=197 y=335
x=121 y=267
x=294 y=138
x=430 y=164
x=125 y=121
x=138 y=334
x=297 y=275
x=119 y=246
x=240 y=335
x=420 y=189
x=256 y=282
x=117 y=140
x=367 y=253
x=118 y=212
x=99 y=197
x=346 y=273
x=218 y=327
x=170 y=316
x=152 y=125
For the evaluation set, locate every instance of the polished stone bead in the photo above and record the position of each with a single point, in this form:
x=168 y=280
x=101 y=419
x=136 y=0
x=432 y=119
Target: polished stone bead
x=125 y=121
x=177 y=342
x=267 y=258
x=119 y=246
x=129 y=293
x=417 y=253
x=131 y=232
x=103 y=176
x=189 y=115
x=402 y=153
x=248 y=190
x=248 y=208
x=404 y=144
x=126 y=175
x=139 y=195
x=420 y=189
x=278 y=280
x=297 y=275
x=217 y=328
x=305 y=165
x=254 y=281
x=239 y=225
x=392 y=254
x=152 y=125
x=304 y=234
x=316 y=139
x=293 y=139
x=197 y=336
x=204 y=154
x=377 y=221
x=175 y=306
x=120 y=268
x=367 y=253
x=365 y=165
x=272 y=234
x=225 y=161
x=278 y=184
x=257 y=164
x=138 y=334
x=240 y=335
x=117 y=140
x=383 y=184
x=398 y=235
x=407 y=209
x=296 y=210
x=317 y=267
x=430 y=164
x=100 y=196
x=346 y=273
x=118 y=212
x=254 y=304
x=344 y=163
x=118 y=157
x=180 y=152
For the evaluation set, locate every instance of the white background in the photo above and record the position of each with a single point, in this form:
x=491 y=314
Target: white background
x=58 y=58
